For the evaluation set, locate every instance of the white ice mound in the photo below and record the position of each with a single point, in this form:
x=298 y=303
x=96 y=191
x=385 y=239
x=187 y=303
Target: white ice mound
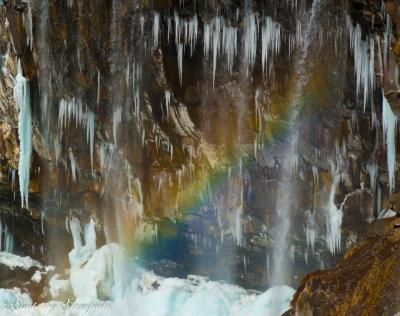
x=155 y=296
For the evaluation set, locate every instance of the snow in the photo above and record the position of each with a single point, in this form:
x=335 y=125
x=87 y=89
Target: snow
x=13 y=261
x=389 y=121
x=37 y=276
x=186 y=297
x=22 y=99
x=386 y=213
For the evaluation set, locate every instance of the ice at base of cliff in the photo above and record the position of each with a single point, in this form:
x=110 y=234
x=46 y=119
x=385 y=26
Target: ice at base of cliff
x=151 y=295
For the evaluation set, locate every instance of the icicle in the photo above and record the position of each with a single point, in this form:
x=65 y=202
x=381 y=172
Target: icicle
x=250 y=40
x=180 y=61
x=167 y=102
x=373 y=174
x=22 y=99
x=73 y=165
x=27 y=18
x=206 y=39
x=229 y=39
x=364 y=60
x=316 y=176
x=90 y=134
x=74 y=227
x=310 y=230
x=292 y=252
x=334 y=216
x=270 y=41
x=192 y=26
x=216 y=34
x=117 y=117
x=98 y=87
x=156 y=29
x=389 y=122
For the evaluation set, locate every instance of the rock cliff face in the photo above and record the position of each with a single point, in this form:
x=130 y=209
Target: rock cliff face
x=365 y=282
x=172 y=124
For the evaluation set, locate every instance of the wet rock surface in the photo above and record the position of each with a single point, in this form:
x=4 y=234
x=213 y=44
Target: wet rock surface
x=365 y=282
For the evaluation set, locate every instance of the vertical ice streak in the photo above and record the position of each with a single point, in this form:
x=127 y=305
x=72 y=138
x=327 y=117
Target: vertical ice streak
x=389 y=122
x=22 y=99
x=117 y=116
x=156 y=29
x=270 y=41
x=250 y=40
x=90 y=134
x=334 y=215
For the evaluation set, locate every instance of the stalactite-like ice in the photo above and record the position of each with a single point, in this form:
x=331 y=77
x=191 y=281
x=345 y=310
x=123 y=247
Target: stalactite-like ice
x=156 y=29
x=364 y=60
x=250 y=40
x=270 y=42
x=334 y=215
x=167 y=102
x=310 y=230
x=74 y=165
x=90 y=134
x=229 y=44
x=180 y=61
x=22 y=99
x=117 y=117
x=389 y=122
x=372 y=169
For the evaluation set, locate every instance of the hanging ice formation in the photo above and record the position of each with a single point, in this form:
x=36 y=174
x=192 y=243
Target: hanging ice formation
x=334 y=215
x=94 y=272
x=363 y=60
x=310 y=230
x=90 y=134
x=22 y=99
x=185 y=34
x=74 y=165
x=389 y=122
x=156 y=29
x=117 y=117
x=6 y=239
x=270 y=42
x=250 y=40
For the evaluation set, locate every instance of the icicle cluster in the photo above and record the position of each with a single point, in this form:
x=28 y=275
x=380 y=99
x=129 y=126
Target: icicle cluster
x=270 y=41
x=74 y=110
x=364 y=61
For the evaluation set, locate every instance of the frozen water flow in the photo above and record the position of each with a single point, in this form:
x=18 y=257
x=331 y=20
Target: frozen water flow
x=389 y=121
x=22 y=99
